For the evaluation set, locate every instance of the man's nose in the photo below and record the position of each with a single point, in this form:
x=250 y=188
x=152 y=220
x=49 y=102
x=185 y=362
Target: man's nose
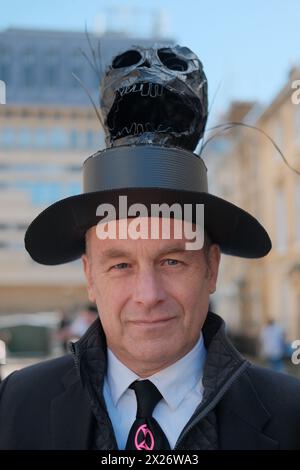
x=148 y=288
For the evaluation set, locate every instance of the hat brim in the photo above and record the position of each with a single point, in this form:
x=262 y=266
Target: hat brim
x=57 y=235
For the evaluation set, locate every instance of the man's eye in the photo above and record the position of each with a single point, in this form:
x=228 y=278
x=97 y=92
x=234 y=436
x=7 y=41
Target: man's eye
x=171 y=262
x=120 y=266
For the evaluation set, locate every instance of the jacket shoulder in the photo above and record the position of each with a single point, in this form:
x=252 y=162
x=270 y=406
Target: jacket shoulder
x=261 y=410
x=275 y=385
x=26 y=398
x=279 y=395
x=43 y=376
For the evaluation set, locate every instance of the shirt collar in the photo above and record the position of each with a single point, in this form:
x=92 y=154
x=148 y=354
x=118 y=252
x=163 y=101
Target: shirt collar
x=119 y=377
x=189 y=368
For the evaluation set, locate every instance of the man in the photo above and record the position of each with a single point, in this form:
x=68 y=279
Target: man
x=156 y=370
x=152 y=297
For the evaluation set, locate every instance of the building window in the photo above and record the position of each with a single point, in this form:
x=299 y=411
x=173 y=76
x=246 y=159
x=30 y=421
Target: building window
x=40 y=139
x=281 y=220
x=90 y=139
x=58 y=115
x=80 y=140
x=71 y=189
x=74 y=138
x=25 y=113
x=28 y=76
x=51 y=79
x=29 y=69
x=40 y=193
x=5 y=61
x=45 y=193
x=76 y=68
x=24 y=138
x=73 y=168
x=59 y=138
x=7 y=138
x=52 y=69
x=41 y=114
x=5 y=72
x=94 y=81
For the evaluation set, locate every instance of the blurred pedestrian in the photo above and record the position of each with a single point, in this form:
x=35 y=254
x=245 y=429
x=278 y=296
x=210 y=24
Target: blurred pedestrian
x=72 y=330
x=2 y=356
x=62 y=332
x=273 y=345
x=85 y=317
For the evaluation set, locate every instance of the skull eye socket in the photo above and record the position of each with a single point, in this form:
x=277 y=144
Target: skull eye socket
x=171 y=60
x=126 y=59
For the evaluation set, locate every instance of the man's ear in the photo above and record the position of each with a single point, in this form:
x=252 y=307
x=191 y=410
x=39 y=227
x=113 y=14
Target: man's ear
x=214 y=258
x=89 y=278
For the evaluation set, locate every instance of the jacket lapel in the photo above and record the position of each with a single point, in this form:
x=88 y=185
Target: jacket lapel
x=71 y=418
x=242 y=419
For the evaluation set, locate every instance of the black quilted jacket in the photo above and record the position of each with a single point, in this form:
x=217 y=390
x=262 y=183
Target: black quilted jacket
x=56 y=404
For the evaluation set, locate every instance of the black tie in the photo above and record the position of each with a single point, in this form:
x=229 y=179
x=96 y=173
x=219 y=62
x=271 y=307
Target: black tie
x=146 y=433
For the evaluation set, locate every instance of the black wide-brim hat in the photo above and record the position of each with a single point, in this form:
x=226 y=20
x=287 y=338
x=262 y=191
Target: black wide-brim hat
x=146 y=174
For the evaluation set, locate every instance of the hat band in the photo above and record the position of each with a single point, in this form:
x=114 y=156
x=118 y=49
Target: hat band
x=144 y=166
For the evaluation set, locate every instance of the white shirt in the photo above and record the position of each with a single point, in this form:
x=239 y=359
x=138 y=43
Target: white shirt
x=180 y=385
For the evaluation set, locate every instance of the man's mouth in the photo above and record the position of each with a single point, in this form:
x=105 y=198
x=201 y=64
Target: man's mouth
x=150 y=107
x=155 y=322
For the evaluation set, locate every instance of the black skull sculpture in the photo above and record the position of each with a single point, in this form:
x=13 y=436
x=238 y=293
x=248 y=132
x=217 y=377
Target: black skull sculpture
x=154 y=95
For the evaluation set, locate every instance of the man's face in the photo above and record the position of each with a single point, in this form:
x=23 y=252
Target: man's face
x=152 y=296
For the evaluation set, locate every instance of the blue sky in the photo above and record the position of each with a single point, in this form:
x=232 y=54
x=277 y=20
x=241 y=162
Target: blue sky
x=247 y=48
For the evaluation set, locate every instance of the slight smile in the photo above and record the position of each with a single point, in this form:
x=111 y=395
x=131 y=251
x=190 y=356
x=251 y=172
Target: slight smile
x=158 y=322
